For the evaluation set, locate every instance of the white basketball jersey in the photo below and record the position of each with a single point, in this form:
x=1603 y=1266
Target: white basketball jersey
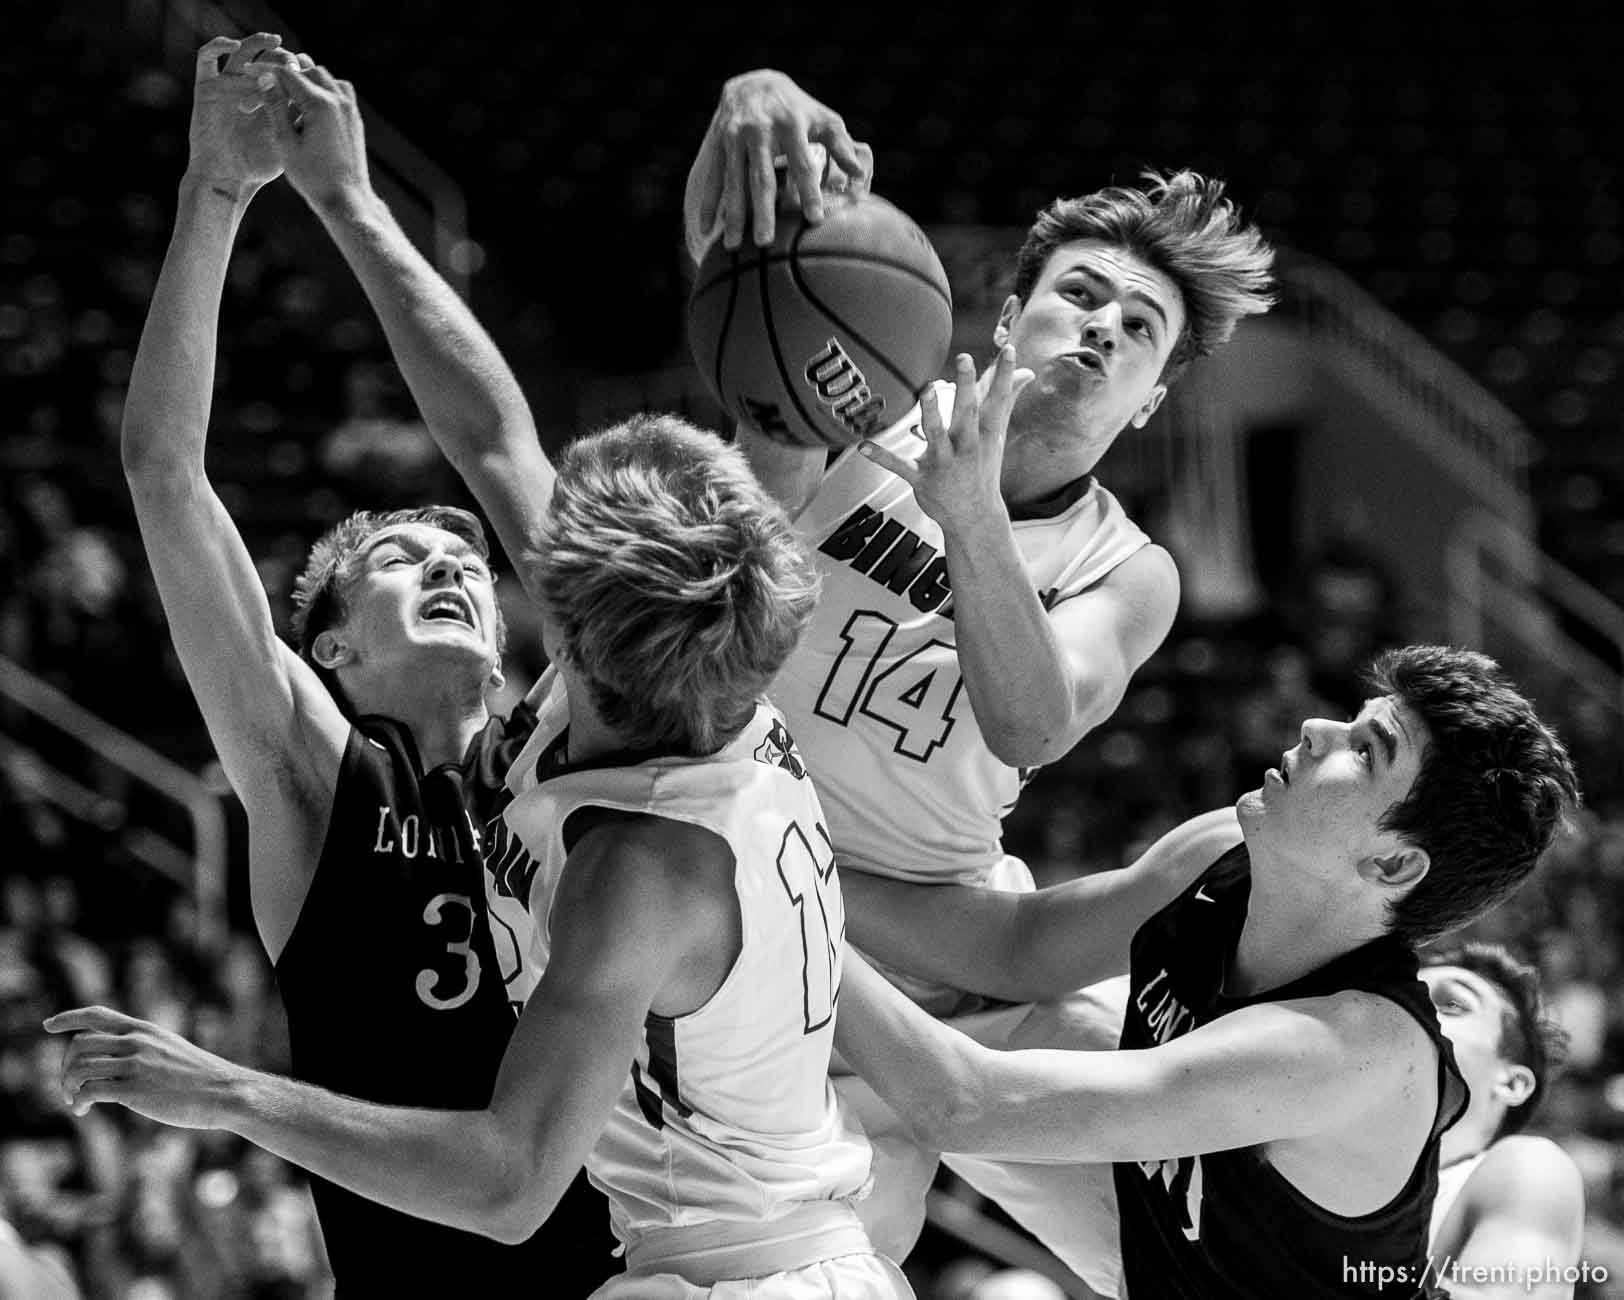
x=1451 y=1182
x=873 y=690
x=727 y=1113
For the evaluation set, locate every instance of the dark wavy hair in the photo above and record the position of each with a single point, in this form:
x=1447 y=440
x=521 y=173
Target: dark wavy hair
x=1494 y=785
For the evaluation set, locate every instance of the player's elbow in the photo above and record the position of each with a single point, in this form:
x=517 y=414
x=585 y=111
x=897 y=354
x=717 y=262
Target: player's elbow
x=510 y=1212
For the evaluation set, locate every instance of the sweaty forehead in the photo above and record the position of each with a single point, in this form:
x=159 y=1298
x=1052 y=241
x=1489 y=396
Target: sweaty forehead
x=417 y=537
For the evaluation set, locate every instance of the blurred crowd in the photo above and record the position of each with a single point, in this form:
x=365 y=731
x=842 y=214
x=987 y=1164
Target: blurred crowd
x=313 y=422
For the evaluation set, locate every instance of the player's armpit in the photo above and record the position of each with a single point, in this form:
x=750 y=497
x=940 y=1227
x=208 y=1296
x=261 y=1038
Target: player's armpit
x=278 y=731
x=1077 y=933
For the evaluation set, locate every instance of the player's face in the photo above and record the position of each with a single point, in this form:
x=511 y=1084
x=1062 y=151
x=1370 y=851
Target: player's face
x=1471 y=1013
x=1096 y=331
x=1326 y=799
x=421 y=590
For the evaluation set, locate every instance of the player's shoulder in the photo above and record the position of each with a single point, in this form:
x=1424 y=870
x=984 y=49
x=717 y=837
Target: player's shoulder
x=1195 y=844
x=664 y=871
x=644 y=844
x=1524 y=1160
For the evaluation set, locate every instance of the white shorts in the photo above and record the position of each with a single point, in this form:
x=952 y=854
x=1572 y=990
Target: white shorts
x=1070 y=1208
x=850 y=1277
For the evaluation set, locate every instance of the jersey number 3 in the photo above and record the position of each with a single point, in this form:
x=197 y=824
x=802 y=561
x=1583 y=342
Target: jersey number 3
x=429 y=980
x=915 y=696
x=807 y=869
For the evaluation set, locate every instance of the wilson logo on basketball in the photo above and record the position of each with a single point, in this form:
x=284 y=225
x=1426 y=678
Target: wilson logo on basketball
x=840 y=386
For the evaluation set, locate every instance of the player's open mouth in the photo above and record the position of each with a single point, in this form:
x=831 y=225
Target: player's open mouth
x=447 y=608
x=1088 y=359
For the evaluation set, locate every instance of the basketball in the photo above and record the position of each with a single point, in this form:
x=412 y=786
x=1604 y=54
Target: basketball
x=828 y=335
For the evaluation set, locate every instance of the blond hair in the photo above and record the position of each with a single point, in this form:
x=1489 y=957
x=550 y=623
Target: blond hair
x=678 y=584
x=1184 y=227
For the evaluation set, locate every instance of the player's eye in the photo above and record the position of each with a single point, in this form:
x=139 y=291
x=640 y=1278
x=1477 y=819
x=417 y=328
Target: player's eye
x=1141 y=327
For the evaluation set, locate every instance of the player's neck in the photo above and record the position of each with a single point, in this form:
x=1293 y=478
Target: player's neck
x=1471 y=1137
x=1292 y=929
x=442 y=725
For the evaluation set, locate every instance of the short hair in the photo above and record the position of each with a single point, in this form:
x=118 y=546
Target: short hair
x=1491 y=793
x=318 y=592
x=1527 y=1035
x=678 y=585
x=1181 y=225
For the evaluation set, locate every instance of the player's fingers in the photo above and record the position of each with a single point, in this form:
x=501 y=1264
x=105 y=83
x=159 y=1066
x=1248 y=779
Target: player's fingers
x=320 y=76
x=735 y=203
x=209 y=56
x=96 y=1019
x=1000 y=394
x=904 y=469
x=305 y=63
x=855 y=160
x=763 y=186
x=966 y=400
x=930 y=415
x=805 y=171
x=250 y=48
x=89 y=1093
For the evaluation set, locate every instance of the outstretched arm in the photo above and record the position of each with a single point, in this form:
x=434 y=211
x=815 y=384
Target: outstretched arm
x=624 y=920
x=1268 y=1073
x=762 y=116
x=1034 y=946
x=468 y=395
x=278 y=733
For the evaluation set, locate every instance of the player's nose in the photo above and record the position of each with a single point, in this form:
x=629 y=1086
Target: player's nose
x=1318 y=734
x=444 y=567
x=1102 y=327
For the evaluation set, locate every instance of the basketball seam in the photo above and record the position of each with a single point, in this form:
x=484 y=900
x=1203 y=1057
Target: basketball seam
x=829 y=256
x=778 y=356
x=721 y=340
x=806 y=292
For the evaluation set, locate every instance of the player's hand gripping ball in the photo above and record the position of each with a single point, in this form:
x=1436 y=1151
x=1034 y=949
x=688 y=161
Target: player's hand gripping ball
x=829 y=334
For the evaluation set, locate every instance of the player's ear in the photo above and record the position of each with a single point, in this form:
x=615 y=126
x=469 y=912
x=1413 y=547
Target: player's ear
x=330 y=650
x=1403 y=868
x=1007 y=317
x=1141 y=417
x=1514 y=1084
x=497 y=679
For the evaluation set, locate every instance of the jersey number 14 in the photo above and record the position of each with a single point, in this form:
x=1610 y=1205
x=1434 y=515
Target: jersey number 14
x=915 y=696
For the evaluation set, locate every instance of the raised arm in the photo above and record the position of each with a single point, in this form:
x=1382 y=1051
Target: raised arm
x=625 y=921
x=468 y=395
x=1038 y=680
x=1034 y=946
x=1268 y=1073
x=277 y=730
x=761 y=117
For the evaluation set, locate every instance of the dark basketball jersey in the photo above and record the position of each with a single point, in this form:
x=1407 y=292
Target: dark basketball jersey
x=393 y=995
x=1227 y=1225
